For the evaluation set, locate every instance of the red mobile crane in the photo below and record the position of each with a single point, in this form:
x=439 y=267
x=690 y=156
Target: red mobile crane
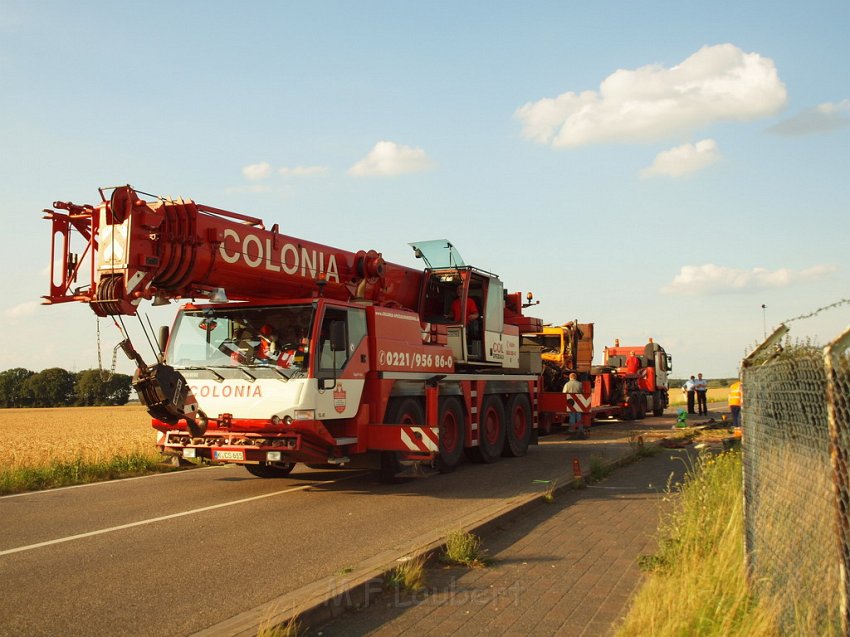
x=327 y=357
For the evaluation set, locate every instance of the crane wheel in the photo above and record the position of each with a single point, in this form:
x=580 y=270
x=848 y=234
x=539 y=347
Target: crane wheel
x=518 y=426
x=400 y=411
x=491 y=431
x=452 y=433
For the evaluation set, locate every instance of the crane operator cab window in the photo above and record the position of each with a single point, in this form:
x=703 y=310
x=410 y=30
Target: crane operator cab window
x=464 y=303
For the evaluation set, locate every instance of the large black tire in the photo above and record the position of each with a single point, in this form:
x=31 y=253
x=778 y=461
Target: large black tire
x=390 y=467
x=452 y=433
x=518 y=426
x=400 y=411
x=270 y=469
x=491 y=431
x=630 y=410
x=642 y=406
x=658 y=404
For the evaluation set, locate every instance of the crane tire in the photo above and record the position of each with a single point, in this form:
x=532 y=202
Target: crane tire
x=452 y=424
x=518 y=425
x=491 y=431
x=400 y=411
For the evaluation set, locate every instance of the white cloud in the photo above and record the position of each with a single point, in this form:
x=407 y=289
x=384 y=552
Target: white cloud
x=825 y=117
x=255 y=172
x=710 y=279
x=24 y=309
x=302 y=171
x=652 y=102
x=389 y=158
x=683 y=160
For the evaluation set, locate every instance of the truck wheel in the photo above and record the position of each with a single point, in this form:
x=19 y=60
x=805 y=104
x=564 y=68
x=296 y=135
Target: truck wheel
x=400 y=411
x=491 y=431
x=641 y=410
x=658 y=404
x=270 y=469
x=518 y=429
x=390 y=467
x=630 y=410
x=452 y=434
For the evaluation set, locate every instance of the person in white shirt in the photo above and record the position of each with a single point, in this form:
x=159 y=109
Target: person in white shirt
x=688 y=388
x=701 y=389
x=573 y=386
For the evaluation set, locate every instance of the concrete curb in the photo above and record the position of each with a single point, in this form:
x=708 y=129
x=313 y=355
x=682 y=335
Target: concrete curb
x=320 y=602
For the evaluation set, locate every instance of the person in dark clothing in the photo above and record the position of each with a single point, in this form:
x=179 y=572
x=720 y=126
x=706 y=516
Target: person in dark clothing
x=701 y=389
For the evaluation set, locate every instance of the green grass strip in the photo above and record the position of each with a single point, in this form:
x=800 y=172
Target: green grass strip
x=78 y=471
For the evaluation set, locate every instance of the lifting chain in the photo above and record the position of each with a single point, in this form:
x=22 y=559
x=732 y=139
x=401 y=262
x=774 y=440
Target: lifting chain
x=104 y=375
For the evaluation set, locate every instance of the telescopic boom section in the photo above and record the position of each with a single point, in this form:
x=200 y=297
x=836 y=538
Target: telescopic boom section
x=165 y=249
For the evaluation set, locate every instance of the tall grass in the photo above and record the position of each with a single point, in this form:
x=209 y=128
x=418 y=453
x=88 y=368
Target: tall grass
x=463 y=547
x=697 y=584
x=409 y=575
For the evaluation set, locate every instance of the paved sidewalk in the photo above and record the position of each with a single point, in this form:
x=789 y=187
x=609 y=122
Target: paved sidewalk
x=564 y=568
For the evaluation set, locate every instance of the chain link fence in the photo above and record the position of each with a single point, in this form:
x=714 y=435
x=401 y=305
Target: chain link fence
x=796 y=427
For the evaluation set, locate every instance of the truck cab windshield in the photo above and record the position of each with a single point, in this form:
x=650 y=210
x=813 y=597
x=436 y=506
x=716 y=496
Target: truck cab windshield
x=275 y=337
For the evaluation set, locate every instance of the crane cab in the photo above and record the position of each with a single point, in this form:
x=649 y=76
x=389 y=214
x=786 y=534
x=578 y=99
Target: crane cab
x=471 y=303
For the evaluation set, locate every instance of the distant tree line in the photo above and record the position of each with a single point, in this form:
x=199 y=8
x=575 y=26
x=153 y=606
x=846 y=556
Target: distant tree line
x=56 y=387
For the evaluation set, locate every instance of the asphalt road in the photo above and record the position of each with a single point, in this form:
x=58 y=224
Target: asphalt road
x=174 y=553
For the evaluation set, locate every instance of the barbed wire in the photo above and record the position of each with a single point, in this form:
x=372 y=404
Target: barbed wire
x=817 y=311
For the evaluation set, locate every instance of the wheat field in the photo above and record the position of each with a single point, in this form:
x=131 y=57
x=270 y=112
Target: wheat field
x=44 y=437
x=715 y=395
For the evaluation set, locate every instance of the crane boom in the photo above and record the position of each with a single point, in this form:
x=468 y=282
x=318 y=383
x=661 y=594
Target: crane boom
x=166 y=249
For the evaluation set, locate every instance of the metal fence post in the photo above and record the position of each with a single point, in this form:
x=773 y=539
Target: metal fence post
x=837 y=366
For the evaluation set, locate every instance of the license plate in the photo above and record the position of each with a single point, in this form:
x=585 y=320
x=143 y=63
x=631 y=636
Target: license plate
x=228 y=454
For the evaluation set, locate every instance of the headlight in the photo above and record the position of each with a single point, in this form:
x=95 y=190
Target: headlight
x=305 y=414
x=273 y=456
x=189 y=452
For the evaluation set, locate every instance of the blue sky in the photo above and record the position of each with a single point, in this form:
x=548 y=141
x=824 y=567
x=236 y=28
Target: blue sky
x=659 y=169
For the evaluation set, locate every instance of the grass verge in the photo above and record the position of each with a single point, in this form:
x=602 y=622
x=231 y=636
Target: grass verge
x=697 y=583
x=78 y=471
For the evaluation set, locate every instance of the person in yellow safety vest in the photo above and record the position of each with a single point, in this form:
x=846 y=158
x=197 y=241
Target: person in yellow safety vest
x=736 y=399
